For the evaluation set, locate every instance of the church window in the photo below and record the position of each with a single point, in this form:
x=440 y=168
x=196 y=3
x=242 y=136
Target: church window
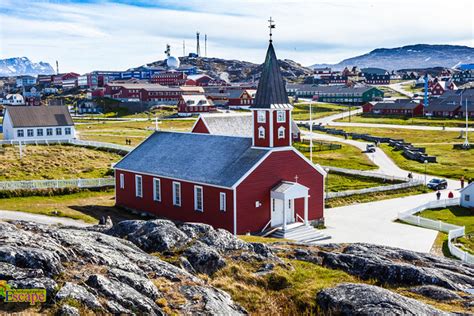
x=261 y=116
x=281 y=132
x=281 y=116
x=261 y=132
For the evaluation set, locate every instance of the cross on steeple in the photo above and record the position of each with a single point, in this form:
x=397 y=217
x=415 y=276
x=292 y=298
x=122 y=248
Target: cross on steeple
x=271 y=26
x=296 y=178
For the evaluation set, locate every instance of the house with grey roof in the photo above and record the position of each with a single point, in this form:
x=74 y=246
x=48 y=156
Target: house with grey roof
x=37 y=123
x=245 y=176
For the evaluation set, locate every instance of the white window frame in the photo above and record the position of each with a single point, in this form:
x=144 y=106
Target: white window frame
x=222 y=202
x=156 y=190
x=67 y=131
x=138 y=188
x=261 y=132
x=176 y=196
x=122 y=181
x=30 y=132
x=467 y=197
x=261 y=116
x=59 y=131
x=281 y=132
x=196 y=202
x=49 y=132
x=20 y=133
x=281 y=116
x=40 y=132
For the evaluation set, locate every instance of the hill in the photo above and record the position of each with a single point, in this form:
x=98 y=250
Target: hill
x=18 y=66
x=412 y=56
x=237 y=70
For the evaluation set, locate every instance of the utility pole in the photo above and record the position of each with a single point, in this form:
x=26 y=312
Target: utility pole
x=57 y=68
x=311 y=131
x=466 y=141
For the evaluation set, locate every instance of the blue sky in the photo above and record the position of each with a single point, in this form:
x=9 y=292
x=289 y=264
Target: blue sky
x=85 y=35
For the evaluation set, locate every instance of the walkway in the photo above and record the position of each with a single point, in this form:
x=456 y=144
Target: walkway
x=42 y=219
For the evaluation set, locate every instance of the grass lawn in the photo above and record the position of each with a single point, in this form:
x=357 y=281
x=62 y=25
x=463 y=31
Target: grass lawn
x=390 y=93
x=88 y=206
x=377 y=196
x=451 y=163
x=54 y=162
x=336 y=182
x=458 y=216
x=301 y=110
x=117 y=132
x=347 y=157
x=406 y=120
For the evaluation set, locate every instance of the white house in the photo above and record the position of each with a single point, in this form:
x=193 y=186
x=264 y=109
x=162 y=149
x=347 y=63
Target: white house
x=467 y=196
x=14 y=99
x=33 y=123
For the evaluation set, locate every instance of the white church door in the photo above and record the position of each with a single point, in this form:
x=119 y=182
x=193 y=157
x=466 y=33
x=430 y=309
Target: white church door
x=277 y=212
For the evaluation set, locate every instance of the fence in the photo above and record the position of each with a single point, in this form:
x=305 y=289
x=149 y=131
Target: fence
x=453 y=231
x=366 y=173
x=304 y=146
x=56 y=184
x=75 y=142
x=332 y=195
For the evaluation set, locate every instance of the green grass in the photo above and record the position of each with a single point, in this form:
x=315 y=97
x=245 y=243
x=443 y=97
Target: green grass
x=455 y=215
x=336 y=182
x=390 y=93
x=347 y=157
x=451 y=163
x=377 y=196
x=262 y=240
x=301 y=110
x=118 y=132
x=407 y=120
x=88 y=206
x=54 y=162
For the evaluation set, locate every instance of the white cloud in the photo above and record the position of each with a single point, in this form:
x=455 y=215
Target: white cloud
x=103 y=35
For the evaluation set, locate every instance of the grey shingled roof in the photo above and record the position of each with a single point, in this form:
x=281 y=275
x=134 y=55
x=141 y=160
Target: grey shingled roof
x=204 y=158
x=336 y=89
x=40 y=116
x=234 y=125
x=271 y=87
x=407 y=105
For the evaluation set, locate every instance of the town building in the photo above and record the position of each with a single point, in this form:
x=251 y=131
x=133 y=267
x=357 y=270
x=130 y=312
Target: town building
x=25 y=81
x=438 y=87
x=240 y=124
x=442 y=109
x=241 y=99
x=192 y=104
x=170 y=78
x=35 y=123
x=336 y=94
x=13 y=99
x=198 y=80
x=467 y=196
x=66 y=80
x=403 y=107
x=375 y=75
x=242 y=184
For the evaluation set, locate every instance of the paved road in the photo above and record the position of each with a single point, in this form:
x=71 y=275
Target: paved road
x=374 y=223
x=413 y=127
x=398 y=87
x=42 y=219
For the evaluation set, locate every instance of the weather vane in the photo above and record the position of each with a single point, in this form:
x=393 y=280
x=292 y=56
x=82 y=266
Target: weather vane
x=271 y=26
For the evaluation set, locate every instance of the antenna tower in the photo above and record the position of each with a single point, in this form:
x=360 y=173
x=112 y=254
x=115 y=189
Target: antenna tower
x=198 y=49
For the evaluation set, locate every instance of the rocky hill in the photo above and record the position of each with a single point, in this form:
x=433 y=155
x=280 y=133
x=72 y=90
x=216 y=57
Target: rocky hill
x=411 y=56
x=158 y=267
x=18 y=66
x=237 y=70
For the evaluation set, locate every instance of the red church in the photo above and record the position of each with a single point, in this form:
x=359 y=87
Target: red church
x=242 y=184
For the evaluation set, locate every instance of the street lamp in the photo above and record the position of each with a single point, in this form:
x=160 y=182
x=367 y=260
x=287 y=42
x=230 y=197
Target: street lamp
x=426 y=163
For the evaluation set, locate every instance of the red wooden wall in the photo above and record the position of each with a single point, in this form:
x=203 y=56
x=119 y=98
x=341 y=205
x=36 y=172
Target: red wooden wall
x=200 y=127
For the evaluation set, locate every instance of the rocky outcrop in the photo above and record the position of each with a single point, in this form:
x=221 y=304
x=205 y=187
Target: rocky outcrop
x=102 y=273
x=436 y=293
x=363 y=299
x=391 y=265
x=203 y=258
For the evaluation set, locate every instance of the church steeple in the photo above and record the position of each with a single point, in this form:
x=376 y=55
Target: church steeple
x=271 y=108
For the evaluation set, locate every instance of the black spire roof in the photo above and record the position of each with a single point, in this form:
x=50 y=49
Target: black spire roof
x=271 y=92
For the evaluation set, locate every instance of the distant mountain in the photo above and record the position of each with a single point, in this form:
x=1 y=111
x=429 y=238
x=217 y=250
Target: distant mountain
x=237 y=70
x=18 y=66
x=412 y=56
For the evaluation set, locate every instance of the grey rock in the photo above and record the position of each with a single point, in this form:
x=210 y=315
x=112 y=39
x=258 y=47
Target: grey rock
x=78 y=293
x=363 y=299
x=195 y=230
x=139 y=283
x=9 y=271
x=265 y=269
x=436 y=293
x=204 y=259
x=222 y=241
x=123 y=295
x=186 y=265
x=35 y=283
x=67 y=310
x=32 y=258
x=209 y=301
x=151 y=236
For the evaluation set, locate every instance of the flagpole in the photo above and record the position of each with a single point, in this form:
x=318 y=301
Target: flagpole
x=310 y=131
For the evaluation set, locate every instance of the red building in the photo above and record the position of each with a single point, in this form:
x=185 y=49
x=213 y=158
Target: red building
x=191 y=104
x=169 y=78
x=242 y=184
x=198 y=80
x=241 y=98
x=58 y=80
x=399 y=107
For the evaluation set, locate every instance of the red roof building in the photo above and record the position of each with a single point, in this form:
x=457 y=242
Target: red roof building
x=169 y=78
x=242 y=184
x=241 y=99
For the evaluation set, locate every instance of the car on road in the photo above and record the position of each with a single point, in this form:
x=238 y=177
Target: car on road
x=370 y=148
x=437 y=184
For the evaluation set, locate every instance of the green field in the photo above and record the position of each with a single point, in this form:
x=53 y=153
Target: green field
x=301 y=110
x=406 y=120
x=455 y=215
x=451 y=163
x=336 y=182
x=54 y=162
x=390 y=93
x=117 y=132
x=348 y=157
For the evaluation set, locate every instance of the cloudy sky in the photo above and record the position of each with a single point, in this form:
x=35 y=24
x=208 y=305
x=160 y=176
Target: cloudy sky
x=86 y=35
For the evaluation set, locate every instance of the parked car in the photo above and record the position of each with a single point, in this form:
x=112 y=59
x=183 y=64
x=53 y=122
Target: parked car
x=370 y=148
x=437 y=184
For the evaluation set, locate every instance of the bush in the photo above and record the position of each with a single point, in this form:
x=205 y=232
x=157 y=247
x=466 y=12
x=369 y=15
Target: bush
x=277 y=282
